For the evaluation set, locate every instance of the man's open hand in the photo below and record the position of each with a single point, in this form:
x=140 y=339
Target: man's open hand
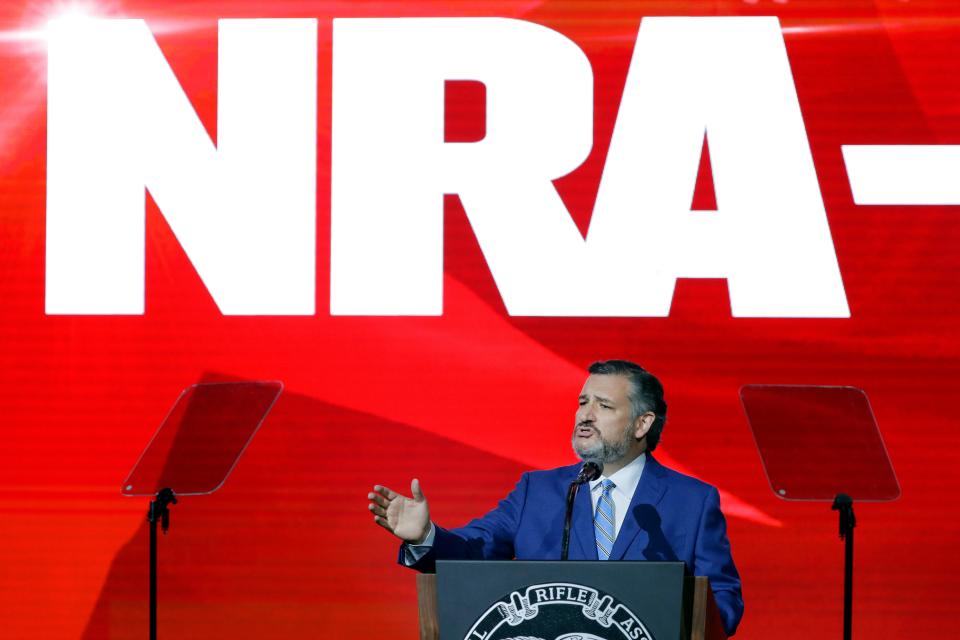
x=406 y=518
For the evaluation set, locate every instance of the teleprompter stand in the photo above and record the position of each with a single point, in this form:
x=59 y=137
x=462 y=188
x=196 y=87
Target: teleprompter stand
x=159 y=513
x=844 y=504
x=194 y=450
x=848 y=462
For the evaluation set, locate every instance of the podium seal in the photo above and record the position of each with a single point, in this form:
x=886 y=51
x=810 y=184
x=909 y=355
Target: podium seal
x=558 y=611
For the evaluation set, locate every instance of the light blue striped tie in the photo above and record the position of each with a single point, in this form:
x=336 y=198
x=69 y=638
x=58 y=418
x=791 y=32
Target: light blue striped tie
x=603 y=521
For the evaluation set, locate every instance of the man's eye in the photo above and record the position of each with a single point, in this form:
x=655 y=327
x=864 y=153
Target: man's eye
x=606 y=406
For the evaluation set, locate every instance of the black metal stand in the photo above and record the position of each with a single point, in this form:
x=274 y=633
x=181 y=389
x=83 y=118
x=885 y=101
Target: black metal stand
x=159 y=512
x=844 y=504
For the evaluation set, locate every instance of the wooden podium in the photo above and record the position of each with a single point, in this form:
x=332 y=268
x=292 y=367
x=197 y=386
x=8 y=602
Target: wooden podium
x=704 y=623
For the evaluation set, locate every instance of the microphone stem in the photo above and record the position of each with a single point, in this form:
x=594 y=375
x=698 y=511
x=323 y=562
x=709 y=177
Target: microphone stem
x=571 y=496
x=590 y=471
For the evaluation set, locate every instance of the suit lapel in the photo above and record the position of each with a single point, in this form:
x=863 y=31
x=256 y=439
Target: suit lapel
x=649 y=491
x=583 y=542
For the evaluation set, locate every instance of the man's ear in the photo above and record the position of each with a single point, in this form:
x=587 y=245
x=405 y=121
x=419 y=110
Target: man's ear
x=643 y=423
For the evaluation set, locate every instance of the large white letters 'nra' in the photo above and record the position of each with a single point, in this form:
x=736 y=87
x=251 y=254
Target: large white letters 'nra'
x=244 y=211
x=726 y=77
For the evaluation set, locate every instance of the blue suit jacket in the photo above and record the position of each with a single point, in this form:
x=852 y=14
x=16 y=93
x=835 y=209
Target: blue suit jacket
x=671 y=517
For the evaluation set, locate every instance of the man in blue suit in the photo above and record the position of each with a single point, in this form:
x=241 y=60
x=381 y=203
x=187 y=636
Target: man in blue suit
x=637 y=510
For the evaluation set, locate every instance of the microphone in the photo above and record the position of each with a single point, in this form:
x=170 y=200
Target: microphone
x=589 y=472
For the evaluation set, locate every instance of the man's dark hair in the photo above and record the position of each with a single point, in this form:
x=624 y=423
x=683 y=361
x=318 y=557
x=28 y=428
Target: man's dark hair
x=646 y=393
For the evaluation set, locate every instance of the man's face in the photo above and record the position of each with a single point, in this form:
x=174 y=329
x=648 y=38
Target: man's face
x=604 y=431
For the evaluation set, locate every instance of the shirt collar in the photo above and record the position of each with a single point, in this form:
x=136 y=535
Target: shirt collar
x=626 y=478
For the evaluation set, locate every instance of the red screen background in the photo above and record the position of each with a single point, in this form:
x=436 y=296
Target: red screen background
x=468 y=400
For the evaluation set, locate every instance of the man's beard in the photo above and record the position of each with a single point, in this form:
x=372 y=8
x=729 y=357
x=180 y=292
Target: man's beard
x=603 y=450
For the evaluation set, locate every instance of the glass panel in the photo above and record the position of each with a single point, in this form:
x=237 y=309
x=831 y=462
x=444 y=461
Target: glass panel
x=202 y=437
x=816 y=442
